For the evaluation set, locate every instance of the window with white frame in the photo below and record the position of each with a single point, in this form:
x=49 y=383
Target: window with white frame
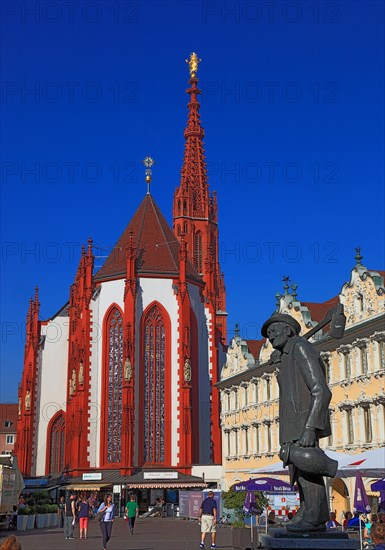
x=381 y=350
x=268 y=388
x=255 y=391
x=350 y=429
x=364 y=359
x=7 y=423
x=245 y=395
x=256 y=427
x=9 y=439
x=368 y=424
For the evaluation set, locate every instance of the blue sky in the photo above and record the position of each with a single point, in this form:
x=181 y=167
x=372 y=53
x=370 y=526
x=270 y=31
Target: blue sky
x=292 y=107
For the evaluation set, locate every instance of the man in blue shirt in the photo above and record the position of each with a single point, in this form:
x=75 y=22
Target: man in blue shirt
x=208 y=519
x=356 y=522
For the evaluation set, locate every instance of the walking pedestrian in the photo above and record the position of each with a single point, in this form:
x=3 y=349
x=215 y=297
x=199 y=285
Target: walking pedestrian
x=69 y=516
x=61 y=511
x=208 y=519
x=132 y=512
x=107 y=509
x=83 y=515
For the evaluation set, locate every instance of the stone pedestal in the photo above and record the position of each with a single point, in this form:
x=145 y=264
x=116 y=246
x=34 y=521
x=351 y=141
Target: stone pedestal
x=329 y=540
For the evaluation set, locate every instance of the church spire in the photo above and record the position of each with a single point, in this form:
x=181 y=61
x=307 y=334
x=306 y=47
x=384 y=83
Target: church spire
x=193 y=192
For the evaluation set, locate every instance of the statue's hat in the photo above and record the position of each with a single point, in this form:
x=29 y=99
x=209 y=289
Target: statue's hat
x=281 y=318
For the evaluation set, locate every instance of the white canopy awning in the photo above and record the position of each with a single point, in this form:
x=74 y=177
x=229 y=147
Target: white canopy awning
x=370 y=464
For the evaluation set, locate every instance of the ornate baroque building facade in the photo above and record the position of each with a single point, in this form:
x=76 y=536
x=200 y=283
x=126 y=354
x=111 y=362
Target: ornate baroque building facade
x=124 y=375
x=355 y=368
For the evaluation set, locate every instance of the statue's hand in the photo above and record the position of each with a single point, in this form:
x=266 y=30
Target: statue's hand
x=275 y=357
x=308 y=438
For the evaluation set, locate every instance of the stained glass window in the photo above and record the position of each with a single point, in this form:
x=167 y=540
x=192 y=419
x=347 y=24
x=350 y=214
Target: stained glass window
x=56 y=444
x=154 y=386
x=114 y=400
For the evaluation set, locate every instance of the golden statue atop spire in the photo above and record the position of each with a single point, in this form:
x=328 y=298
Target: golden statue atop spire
x=193 y=64
x=149 y=163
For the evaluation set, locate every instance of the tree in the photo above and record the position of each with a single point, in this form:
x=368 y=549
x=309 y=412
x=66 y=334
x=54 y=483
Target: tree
x=234 y=500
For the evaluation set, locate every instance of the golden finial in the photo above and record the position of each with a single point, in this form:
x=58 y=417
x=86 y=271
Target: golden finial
x=149 y=163
x=193 y=64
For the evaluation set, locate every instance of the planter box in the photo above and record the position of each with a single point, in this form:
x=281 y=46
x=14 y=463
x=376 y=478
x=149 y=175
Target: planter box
x=42 y=521
x=22 y=523
x=242 y=538
x=54 y=519
x=31 y=521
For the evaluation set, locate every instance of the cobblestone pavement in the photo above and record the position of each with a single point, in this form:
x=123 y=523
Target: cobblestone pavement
x=150 y=534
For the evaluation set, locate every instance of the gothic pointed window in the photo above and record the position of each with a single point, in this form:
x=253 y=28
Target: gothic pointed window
x=154 y=386
x=198 y=251
x=114 y=386
x=56 y=445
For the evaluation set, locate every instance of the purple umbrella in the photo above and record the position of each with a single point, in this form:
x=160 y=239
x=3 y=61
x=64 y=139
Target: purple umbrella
x=361 y=502
x=263 y=484
x=250 y=504
x=250 y=507
x=378 y=485
x=381 y=504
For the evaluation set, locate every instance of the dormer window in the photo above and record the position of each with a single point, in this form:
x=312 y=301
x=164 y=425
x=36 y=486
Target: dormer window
x=360 y=303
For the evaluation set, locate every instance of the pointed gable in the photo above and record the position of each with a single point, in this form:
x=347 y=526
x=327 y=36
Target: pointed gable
x=156 y=243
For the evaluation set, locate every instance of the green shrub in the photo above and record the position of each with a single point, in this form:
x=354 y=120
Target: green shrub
x=238 y=523
x=234 y=500
x=23 y=511
x=42 y=508
x=52 y=508
x=42 y=497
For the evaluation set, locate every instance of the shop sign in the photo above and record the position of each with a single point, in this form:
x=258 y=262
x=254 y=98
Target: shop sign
x=92 y=476
x=160 y=475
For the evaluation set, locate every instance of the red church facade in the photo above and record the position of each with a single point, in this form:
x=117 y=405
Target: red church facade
x=130 y=383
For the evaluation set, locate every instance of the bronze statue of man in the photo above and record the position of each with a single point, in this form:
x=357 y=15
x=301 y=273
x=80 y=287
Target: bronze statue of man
x=304 y=399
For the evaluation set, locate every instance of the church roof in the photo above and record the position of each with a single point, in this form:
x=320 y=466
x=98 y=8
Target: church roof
x=157 y=247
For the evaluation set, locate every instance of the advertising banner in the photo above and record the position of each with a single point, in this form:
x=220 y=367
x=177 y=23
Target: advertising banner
x=184 y=504
x=195 y=501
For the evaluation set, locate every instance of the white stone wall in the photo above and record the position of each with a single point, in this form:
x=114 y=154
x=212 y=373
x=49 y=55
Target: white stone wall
x=95 y=384
x=52 y=383
x=204 y=377
x=111 y=292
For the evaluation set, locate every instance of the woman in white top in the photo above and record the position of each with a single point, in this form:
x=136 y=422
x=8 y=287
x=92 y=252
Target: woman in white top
x=106 y=524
